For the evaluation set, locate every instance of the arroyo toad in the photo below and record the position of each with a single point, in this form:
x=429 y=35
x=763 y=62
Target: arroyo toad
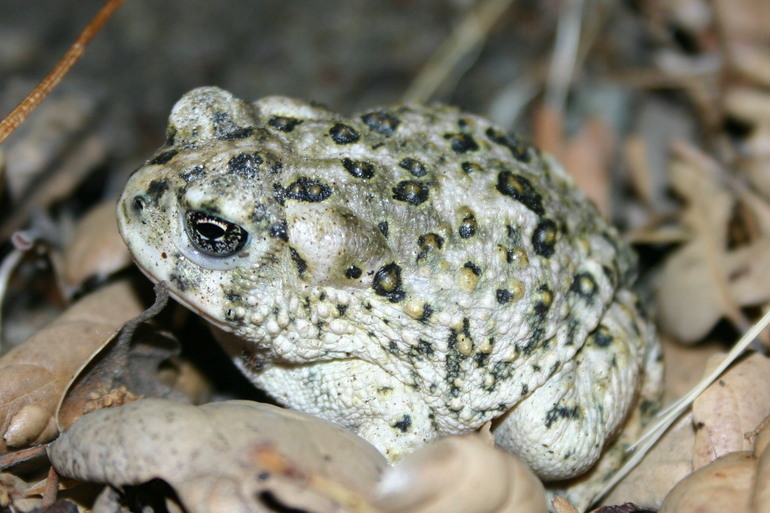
x=408 y=273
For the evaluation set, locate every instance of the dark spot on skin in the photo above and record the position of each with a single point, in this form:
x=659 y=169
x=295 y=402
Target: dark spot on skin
x=343 y=134
x=467 y=227
x=307 y=189
x=170 y=136
x=193 y=173
x=504 y=296
x=427 y=311
x=163 y=158
x=241 y=133
x=427 y=243
x=513 y=233
x=421 y=350
x=414 y=166
x=467 y=327
x=181 y=283
x=602 y=337
x=138 y=203
x=298 y=261
x=233 y=317
x=541 y=307
x=352 y=272
x=381 y=122
x=481 y=359
x=279 y=231
x=387 y=282
x=475 y=269
x=544 y=238
x=358 y=168
x=518 y=150
x=561 y=412
x=392 y=347
x=233 y=297
x=470 y=167
x=404 y=424
x=341 y=309
x=584 y=285
x=573 y=327
x=225 y=128
x=245 y=164
x=461 y=143
x=156 y=189
x=411 y=192
x=284 y=123
x=520 y=189
x=383 y=227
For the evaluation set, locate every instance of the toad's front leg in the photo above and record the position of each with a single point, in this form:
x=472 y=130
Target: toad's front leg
x=358 y=395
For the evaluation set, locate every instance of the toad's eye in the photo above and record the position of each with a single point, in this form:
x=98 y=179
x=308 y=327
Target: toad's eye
x=213 y=235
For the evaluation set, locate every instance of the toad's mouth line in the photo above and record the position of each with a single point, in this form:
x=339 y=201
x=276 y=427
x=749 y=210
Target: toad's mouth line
x=184 y=302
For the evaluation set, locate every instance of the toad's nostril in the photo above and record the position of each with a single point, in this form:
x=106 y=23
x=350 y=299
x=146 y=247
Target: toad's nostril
x=138 y=203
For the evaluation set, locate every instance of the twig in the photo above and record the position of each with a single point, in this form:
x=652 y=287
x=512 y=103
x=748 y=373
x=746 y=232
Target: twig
x=13 y=458
x=51 y=487
x=20 y=113
x=564 y=54
x=444 y=61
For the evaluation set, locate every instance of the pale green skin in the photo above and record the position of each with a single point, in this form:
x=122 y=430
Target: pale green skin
x=556 y=360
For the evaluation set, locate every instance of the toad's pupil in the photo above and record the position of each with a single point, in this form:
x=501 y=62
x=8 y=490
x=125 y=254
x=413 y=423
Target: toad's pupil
x=214 y=236
x=210 y=230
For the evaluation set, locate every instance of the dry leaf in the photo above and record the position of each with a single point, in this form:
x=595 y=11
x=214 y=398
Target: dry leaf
x=17 y=493
x=228 y=456
x=35 y=373
x=96 y=248
x=748 y=268
x=124 y=370
x=586 y=156
x=667 y=463
x=671 y=458
x=723 y=485
x=693 y=292
x=730 y=409
x=460 y=474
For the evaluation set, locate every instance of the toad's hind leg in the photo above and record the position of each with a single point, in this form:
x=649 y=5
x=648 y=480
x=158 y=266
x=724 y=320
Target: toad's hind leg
x=563 y=428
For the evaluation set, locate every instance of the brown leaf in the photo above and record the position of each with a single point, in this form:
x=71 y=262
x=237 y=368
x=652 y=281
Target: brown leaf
x=723 y=485
x=693 y=294
x=96 y=248
x=667 y=463
x=459 y=474
x=730 y=409
x=35 y=373
x=125 y=369
x=227 y=456
x=586 y=156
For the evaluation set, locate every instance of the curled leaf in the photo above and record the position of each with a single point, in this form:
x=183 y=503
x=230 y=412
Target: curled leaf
x=34 y=374
x=227 y=456
x=96 y=248
x=460 y=474
x=730 y=408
